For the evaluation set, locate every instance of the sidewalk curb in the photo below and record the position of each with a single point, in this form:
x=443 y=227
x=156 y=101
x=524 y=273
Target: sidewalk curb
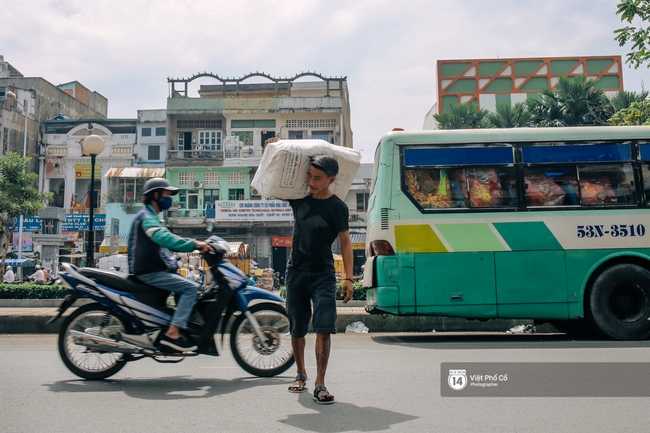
x=33 y=321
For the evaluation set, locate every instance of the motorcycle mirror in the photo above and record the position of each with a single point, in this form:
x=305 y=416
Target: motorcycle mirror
x=210 y=227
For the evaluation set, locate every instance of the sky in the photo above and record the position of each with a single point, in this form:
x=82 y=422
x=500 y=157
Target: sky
x=387 y=49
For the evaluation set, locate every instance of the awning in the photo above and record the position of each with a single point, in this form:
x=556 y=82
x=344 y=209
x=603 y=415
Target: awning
x=17 y=263
x=135 y=172
x=105 y=247
x=358 y=241
x=237 y=249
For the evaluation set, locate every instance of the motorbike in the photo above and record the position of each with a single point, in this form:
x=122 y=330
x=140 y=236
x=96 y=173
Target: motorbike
x=126 y=319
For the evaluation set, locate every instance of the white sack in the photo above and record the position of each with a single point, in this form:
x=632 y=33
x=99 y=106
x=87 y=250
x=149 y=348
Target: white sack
x=283 y=169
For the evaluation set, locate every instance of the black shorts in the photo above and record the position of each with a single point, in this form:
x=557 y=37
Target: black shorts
x=318 y=287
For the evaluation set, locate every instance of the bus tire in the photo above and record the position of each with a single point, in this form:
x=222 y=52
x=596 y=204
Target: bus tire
x=619 y=302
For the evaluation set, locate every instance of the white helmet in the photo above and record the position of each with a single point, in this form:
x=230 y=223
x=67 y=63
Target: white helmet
x=8 y=268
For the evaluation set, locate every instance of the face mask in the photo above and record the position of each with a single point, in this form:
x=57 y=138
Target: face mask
x=165 y=203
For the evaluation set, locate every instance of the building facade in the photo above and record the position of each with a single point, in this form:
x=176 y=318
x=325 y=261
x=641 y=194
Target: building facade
x=215 y=143
x=489 y=82
x=66 y=170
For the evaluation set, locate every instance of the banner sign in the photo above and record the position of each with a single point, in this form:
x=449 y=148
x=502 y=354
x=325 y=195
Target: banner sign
x=281 y=241
x=115 y=235
x=80 y=222
x=252 y=210
x=30 y=224
x=72 y=223
x=27 y=242
x=82 y=171
x=54 y=167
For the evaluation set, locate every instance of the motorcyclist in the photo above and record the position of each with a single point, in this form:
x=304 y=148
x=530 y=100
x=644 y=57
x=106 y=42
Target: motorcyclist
x=151 y=260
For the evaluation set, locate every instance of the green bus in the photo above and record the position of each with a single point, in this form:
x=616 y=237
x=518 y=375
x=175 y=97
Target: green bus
x=549 y=224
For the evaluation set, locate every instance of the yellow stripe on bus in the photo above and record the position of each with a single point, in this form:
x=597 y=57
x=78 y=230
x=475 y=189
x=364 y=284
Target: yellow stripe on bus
x=417 y=239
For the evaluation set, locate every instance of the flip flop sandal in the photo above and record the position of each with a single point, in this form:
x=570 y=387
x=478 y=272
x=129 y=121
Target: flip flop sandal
x=299 y=388
x=323 y=399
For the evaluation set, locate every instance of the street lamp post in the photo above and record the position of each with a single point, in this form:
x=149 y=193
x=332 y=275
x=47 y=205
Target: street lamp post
x=12 y=95
x=92 y=146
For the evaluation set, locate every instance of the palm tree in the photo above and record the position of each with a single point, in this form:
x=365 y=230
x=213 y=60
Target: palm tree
x=462 y=116
x=507 y=116
x=575 y=101
x=623 y=99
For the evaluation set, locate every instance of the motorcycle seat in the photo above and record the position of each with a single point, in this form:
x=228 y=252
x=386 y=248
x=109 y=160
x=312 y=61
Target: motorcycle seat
x=149 y=295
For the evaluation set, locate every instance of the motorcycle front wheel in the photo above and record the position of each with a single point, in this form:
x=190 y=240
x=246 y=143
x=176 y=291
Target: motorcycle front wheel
x=248 y=350
x=85 y=362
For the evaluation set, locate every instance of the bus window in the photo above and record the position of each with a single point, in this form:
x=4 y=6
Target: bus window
x=645 y=170
x=551 y=186
x=606 y=184
x=492 y=187
x=462 y=188
x=431 y=188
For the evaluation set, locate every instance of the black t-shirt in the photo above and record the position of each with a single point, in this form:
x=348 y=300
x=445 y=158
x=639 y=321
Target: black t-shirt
x=317 y=223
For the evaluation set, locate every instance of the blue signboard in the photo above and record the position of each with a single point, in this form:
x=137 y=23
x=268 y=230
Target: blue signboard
x=30 y=224
x=80 y=222
x=72 y=223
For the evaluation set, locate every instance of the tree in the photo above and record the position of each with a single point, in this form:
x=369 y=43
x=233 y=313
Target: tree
x=575 y=101
x=17 y=196
x=638 y=113
x=507 y=116
x=631 y=10
x=462 y=116
x=623 y=99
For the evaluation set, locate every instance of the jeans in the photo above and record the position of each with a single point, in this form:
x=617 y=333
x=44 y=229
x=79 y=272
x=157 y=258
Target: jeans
x=175 y=283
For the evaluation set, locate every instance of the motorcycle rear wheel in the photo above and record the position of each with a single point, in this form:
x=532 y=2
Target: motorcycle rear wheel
x=247 y=348
x=88 y=363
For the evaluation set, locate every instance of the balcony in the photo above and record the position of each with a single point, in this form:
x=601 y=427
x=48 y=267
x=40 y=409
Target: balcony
x=57 y=150
x=195 y=157
x=187 y=217
x=122 y=150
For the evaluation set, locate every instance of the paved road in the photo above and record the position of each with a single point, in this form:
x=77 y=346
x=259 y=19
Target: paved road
x=382 y=382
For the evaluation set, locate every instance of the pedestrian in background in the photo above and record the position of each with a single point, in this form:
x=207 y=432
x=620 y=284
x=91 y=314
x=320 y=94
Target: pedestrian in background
x=319 y=219
x=9 y=276
x=190 y=273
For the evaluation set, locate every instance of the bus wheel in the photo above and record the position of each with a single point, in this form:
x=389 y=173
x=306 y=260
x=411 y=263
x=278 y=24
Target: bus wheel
x=620 y=302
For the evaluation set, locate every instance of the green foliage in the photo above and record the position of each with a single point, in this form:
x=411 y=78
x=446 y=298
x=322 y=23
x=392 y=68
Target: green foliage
x=32 y=291
x=17 y=195
x=623 y=99
x=638 y=113
x=639 y=37
x=575 y=102
x=358 y=295
x=462 y=116
x=507 y=116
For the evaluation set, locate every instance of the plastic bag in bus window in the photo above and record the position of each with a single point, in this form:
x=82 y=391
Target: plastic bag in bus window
x=484 y=188
x=430 y=188
x=541 y=190
x=596 y=190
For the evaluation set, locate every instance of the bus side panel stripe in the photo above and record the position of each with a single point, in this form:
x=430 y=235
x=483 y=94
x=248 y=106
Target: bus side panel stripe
x=527 y=236
x=417 y=238
x=471 y=237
